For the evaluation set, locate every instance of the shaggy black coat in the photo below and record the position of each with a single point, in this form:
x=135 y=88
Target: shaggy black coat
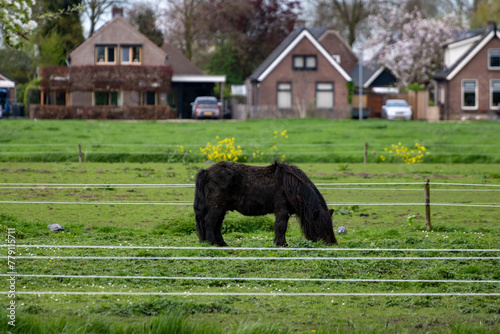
x=280 y=188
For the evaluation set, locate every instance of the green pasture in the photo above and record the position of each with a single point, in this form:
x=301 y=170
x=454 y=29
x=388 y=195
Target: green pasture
x=309 y=140
x=135 y=188
x=118 y=223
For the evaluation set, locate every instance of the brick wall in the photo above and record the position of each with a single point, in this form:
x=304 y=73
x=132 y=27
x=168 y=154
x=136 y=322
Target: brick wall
x=335 y=45
x=476 y=69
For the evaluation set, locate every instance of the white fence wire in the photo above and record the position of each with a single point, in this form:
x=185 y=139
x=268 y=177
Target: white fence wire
x=329 y=186
x=336 y=186
x=271 y=279
x=252 y=258
x=253 y=294
x=258 y=248
x=249 y=279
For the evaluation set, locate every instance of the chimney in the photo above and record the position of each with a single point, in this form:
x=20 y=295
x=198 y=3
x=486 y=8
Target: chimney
x=492 y=26
x=116 y=11
x=331 y=27
x=299 y=23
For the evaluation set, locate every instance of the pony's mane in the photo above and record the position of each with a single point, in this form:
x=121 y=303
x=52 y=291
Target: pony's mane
x=307 y=201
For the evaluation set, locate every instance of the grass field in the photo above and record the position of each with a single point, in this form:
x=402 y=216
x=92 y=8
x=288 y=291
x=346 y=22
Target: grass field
x=309 y=140
x=126 y=204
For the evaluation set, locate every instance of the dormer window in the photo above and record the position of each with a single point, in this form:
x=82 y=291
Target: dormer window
x=131 y=54
x=306 y=62
x=105 y=54
x=494 y=59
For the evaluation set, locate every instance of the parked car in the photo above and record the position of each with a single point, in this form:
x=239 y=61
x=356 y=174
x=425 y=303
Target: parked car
x=396 y=109
x=205 y=107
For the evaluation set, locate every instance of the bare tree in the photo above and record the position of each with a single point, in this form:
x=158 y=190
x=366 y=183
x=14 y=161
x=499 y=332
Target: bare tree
x=94 y=9
x=346 y=15
x=463 y=9
x=184 y=26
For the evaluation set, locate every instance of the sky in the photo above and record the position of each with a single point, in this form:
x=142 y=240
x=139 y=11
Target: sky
x=307 y=8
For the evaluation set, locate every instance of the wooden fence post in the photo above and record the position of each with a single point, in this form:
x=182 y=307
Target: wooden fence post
x=366 y=153
x=427 y=206
x=80 y=152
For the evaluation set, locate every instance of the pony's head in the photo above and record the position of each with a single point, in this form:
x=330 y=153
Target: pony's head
x=321 y=227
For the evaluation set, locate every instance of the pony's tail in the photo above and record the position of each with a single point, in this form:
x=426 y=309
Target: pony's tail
x=200 y=204
x=308 y=203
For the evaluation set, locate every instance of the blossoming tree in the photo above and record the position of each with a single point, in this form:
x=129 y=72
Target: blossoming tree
x=16 y=21
x=410 y=45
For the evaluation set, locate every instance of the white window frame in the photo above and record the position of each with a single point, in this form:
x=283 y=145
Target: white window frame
x=489 y=60
x=321 y=89
x=491 y=94
x=282 y=91
x=476 y=103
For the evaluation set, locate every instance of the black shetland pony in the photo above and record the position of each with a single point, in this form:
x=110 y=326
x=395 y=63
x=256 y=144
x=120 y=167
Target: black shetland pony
x=280 y=188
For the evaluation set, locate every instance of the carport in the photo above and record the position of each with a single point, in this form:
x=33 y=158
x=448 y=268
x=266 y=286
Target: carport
x=7 y=91
x=186 y=87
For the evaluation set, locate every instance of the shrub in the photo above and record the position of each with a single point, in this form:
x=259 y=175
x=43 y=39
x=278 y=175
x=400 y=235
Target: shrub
x=406 y=155
x=225 y=150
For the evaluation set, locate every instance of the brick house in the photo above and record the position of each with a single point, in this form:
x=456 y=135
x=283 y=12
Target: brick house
x=306 y=75
x=116 y=73
x=469 y=84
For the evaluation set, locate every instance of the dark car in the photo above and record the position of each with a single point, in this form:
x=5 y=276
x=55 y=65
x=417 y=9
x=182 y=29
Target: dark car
x=205 y=107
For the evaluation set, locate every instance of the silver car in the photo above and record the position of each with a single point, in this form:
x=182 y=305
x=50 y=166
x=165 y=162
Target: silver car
x=396 y=109
x=205 y=107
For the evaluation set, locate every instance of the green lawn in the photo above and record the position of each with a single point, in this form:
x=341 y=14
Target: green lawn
x=125 y=202
x=309 y=140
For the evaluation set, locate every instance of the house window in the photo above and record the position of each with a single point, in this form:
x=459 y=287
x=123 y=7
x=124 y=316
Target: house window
x=131 y=54
x=57 y=98
x=284 y=95
x=107 y=99
x=301 y=63
x=469 y=94
x=495 y=94
x=324 y=95
x=494 y=59
x=105 y=54
x=148 y=98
